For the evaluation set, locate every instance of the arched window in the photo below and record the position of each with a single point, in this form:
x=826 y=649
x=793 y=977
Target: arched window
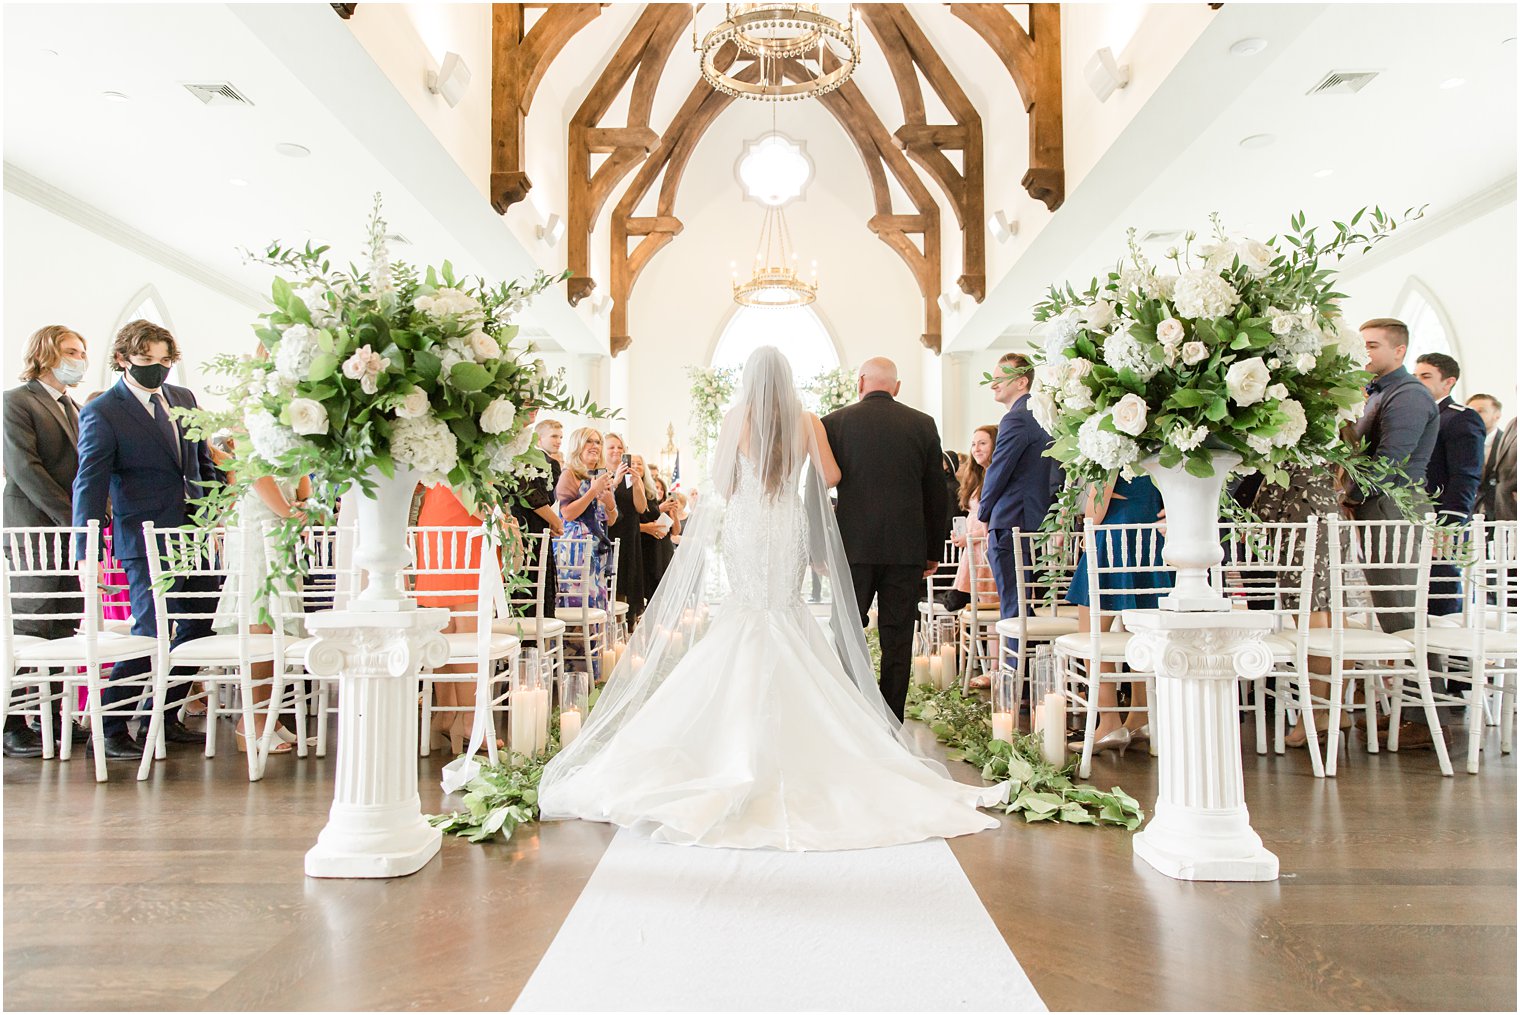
x=1429 y=328
x=796 y=331
x=147 y=305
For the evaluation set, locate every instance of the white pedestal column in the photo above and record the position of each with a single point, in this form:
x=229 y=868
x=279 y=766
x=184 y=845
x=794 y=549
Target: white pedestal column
x=375 y=828
x=1200 y=829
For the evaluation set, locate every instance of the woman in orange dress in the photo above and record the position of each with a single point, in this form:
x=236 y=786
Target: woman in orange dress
x=441 y=509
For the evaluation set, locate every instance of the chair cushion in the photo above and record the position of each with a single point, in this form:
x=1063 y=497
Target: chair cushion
x=1111 y=644
x=619 y=608
x=935 y=608
x=117 y=626
x=222 y=650
x=572 y=616
x=109 y=648
x=1357 y=642
x=1062 y=610
x=1463 y=641
x=524 y=627
x=464 y=646
x=1039 y=626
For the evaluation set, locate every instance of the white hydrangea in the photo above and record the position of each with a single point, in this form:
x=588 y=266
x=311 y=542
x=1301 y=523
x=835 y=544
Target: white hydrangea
x=1306 y=362
x=1146 y=282
x=1203 y=294
x=297 y=348
x=447 y=302
x=1124 y=351
x=1256 y=257
x=1185 y=438
x=1260 y=443
x=271 y=439
x=426 y=444
x=1109 y=450
x=1062 y=334
x=1293 y=429
x=279 y=386
x=1076 y=397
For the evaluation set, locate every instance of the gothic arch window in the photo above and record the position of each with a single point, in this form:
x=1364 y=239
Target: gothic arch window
x=1430 y=329
x=798 y=332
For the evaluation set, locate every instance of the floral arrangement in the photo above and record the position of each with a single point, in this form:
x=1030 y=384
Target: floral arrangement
x=1240 y=347
x=712 y=389
x=1038 y=790
x=830 y=390
x=365 y=372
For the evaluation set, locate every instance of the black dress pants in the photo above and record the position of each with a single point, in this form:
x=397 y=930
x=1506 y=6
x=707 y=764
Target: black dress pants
x=897 y=589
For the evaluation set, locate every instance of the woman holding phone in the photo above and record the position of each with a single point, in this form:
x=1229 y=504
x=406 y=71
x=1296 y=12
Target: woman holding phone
x=632 y=503
x=587 y=505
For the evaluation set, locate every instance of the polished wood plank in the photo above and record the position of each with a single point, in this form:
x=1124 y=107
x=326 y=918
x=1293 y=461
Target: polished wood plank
x=186 y=892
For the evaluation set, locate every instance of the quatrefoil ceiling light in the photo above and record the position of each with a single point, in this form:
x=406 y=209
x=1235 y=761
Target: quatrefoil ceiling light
x=822 y=51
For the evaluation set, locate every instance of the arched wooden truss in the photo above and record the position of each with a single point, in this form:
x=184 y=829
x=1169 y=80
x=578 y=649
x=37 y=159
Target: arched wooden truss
x=1032 y=57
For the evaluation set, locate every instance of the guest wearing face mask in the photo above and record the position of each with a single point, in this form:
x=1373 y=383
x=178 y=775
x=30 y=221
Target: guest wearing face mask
x=132 y=450
x=41 y=457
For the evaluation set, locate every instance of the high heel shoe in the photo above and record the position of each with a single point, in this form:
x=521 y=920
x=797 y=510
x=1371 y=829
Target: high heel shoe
x=290 y=738
x=278 y=746
x=1114 y=740
x=1141 y=735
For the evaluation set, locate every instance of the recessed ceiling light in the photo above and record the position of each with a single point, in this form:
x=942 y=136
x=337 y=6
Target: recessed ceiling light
x=1257 y=141
x=115 y=97
x=238 y=181
x=1248 y=47
x=1320 y=174
x=293 y=151
x=1453 y=82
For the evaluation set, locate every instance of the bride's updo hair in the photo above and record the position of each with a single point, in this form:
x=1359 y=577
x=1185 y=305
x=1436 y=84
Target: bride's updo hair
x=773 y=420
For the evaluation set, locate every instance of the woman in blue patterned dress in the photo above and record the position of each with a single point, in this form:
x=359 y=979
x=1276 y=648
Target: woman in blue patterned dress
x=1123 y=501
x=585 y=498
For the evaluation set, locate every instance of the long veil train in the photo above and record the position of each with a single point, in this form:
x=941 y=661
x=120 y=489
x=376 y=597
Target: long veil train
x=738 y=716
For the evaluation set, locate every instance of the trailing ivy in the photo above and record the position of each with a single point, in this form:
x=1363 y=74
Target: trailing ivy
x=1038 y=790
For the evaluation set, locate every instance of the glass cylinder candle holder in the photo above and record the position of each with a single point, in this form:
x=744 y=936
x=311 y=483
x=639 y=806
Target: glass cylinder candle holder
x=528 y=706
x=1005 y=704
x=946 y=651
x=921 y=658
x=1048 y=695
x=574 y=696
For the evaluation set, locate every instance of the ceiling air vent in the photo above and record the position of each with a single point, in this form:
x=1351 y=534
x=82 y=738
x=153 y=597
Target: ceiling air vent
x=219 y=94
x=1343 y=82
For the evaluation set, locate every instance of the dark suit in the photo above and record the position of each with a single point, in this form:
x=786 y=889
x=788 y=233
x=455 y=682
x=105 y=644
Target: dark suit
x=1016 y=494
x=41 y=457
x=1451 y=480
x=1496 y=496
x=891 y=507
x=148 y=477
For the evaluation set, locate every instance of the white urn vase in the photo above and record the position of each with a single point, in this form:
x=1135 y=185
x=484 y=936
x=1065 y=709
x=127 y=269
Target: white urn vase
x=1192 y=530
x=380 y=546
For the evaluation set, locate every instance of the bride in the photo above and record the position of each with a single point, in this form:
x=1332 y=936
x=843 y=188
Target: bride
x=734 y=719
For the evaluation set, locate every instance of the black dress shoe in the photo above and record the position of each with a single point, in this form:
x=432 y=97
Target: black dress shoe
x=23 y=743
x=121 y=747
x=176 y=732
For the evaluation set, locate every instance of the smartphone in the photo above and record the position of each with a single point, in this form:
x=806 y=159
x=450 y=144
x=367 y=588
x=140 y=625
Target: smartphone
x=628 y=464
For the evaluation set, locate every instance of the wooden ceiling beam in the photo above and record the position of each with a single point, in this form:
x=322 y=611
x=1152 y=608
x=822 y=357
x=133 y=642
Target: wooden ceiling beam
x=519 y=60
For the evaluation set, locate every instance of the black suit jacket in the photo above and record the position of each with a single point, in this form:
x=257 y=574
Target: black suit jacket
x=892 y=494
x=1456 y=462
x=41 y=458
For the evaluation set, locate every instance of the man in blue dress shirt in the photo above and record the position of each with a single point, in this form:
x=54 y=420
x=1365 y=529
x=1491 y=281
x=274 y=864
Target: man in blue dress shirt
x=1455 y=469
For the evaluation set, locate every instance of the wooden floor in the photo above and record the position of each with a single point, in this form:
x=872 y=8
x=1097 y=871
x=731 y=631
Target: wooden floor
x=186 y=892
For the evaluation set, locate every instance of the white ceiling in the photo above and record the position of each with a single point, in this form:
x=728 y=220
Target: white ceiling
x=1403 y=141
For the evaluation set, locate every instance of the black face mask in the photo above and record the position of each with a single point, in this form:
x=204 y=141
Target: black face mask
x=150 y=376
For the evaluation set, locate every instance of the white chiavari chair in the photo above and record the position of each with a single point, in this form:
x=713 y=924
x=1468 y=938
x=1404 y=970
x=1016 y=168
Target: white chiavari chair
x=520 y=611
x=459 y=566
x=190 y=567
x=1476 y=653
x=1086 y=659
x=620 y=610
x=1370 y=560
x=587 y=626
x=978 y=621
x=1044 y=564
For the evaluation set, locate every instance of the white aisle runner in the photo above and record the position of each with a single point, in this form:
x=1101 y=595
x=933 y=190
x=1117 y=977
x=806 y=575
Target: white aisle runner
x=683 y=928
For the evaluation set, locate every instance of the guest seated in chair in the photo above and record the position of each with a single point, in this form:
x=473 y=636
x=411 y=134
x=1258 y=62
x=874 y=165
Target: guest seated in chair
x=969 y=496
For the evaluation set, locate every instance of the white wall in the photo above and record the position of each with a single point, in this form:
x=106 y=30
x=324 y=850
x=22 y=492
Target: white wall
x=1471 y=272
x=57 y=272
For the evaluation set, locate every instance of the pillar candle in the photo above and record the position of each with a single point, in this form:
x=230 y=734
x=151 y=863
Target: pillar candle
x=937 y=671
x=1052 y=725
x=540 y=713
x=949 y=670
x=609 y=662
x=1002 y=726
x=921 y=669
x=569 y=727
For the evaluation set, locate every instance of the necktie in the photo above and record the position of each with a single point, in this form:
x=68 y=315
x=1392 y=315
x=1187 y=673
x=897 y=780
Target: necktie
x=70 y=416
x=165 y=424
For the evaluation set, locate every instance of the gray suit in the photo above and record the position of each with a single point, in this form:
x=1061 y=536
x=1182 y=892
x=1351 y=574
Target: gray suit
x=1496 y=494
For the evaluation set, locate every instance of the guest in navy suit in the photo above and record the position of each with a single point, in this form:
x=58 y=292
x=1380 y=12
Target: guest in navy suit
x=1020 y=483
x=132 y=451
x=1456 y=466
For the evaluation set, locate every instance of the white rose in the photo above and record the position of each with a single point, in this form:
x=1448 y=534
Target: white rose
x=498 y=416
x=1305 y=363
x=1078 y=368
x=1293 y=428
x=483 y=346
x=1130 y=414
x=1273 y=363
x=1109 y=450
x=307 y=416
x=1278 y=391
x=1256 y=256
x=1170 y=331
x=414 y=406
x=1247 y=380
x=1044 y=408
x=1194 y=353
x=1099 y=316
x=449 y=359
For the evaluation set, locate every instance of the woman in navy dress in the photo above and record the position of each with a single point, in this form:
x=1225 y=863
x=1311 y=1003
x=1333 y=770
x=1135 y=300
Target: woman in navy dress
x=1124 y=501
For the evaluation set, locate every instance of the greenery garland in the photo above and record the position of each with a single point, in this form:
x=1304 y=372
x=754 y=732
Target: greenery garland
x=1039 y=790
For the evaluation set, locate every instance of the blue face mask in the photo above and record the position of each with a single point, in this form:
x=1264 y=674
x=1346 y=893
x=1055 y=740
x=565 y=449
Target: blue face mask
x=69 y=372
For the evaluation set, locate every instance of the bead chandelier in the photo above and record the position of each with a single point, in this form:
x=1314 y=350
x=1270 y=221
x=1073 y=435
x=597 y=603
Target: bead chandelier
x=773 y=34
x=775 y=282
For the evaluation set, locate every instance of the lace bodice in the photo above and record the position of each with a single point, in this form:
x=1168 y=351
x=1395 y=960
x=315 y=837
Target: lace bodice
x=764 y=543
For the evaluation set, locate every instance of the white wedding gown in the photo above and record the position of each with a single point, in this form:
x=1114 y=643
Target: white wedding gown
x=757 y=737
